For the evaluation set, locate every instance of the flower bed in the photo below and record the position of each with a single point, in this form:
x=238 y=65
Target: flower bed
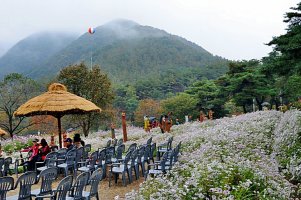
x=232 y=158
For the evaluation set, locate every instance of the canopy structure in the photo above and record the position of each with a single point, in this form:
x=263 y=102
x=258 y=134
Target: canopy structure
x=56 y=102
x=3 y=133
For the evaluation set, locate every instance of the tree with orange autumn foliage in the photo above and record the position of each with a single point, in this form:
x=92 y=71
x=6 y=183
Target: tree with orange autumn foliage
x=44 y=124
x=148 y=107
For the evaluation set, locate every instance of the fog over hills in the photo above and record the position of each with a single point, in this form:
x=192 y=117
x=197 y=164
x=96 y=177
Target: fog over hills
x=3 y=50
x=33 y=51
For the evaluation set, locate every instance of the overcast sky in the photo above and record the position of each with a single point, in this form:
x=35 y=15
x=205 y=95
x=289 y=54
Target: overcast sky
x=234 y=29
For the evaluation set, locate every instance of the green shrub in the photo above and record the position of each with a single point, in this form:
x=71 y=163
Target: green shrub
x=9 y=148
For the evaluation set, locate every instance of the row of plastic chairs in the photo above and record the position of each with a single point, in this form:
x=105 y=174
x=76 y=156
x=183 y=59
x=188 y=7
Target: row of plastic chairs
x=114 y=142
x=134 y=160
x=73 y=160
x=107 y=157
x=165 y=147
x=66 y=189
x=166 y=162
x=5 y=166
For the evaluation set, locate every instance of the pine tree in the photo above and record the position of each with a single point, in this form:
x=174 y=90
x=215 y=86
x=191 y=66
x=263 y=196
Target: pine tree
x=286 y=58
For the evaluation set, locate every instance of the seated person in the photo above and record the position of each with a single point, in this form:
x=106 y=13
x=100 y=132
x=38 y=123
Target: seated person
x=69 y=144
x=35 y=157
x=77 y=141
x=44 y=149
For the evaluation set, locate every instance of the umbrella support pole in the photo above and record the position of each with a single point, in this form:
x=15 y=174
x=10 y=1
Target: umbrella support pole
x=60 y=131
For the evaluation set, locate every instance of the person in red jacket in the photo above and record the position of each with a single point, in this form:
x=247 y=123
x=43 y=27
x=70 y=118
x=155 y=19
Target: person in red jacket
x=44 y=149
x=35 y=157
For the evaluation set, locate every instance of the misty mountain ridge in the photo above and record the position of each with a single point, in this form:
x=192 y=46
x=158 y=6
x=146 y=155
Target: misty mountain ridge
x=3 y=50
x=130 y=52
x=126 y=29
x=32 y=51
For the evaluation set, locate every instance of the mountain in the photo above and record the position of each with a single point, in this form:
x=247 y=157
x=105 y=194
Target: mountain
x=129 y=52
x=3 y=49
x=33 y=51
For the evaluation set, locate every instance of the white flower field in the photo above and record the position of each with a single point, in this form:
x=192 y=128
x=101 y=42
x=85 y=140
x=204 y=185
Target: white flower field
x=252 y=156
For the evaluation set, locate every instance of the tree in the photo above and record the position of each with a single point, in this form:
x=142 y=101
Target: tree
x=148 y=107
x=208 y=95
x=14 y=91
x=44 y=124
x=93 y=85
x=149 y=88
x=126 y=100
x=291 y=88
x=285 y=60
x=180 y=105
x=245 y=82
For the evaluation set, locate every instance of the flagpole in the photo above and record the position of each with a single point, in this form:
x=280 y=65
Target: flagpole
x=91 y=31
x=91 y=59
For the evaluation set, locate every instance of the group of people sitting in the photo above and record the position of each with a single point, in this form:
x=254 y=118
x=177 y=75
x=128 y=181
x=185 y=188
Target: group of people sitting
x=40 y=150
x=73 y=144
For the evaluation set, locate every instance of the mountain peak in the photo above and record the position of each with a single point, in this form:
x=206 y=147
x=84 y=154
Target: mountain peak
x=121 y=28
x=122 y=23
x=128 y=29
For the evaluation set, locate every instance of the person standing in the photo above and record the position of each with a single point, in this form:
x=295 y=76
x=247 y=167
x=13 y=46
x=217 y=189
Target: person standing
x=113 y=130
x=202 y=116
x=168 y=122
x=146 y=124
x=210 y=114
x=161 y=123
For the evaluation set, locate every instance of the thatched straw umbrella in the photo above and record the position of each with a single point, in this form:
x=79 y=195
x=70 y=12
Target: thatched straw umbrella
x=3 y=133
x=56 y=102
